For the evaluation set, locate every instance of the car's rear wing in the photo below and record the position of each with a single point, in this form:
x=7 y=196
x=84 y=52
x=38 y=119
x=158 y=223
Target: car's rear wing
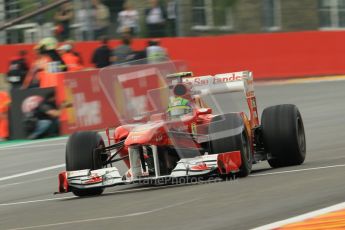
x=221 y=83
x=227 y=83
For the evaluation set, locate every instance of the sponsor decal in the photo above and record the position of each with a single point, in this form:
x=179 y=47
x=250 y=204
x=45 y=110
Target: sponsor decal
x=225 y=78
x=200 y=166
x=201 y=81
x=213 y=80
x=95 y=178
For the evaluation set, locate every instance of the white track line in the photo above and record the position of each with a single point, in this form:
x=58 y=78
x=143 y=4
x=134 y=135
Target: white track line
x=297 y=170
x=32 y=172
x=303 y=217
x=6 y=146
x=36 y=201
x=135 y=189
x=108 y=217
x=147 y=188
x=31 y=146
x=26 y=181
x=68 y=197
x=107 y=193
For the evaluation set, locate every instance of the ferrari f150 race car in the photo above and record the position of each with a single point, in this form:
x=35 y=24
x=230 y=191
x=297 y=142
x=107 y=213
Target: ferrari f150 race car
x=185 y=139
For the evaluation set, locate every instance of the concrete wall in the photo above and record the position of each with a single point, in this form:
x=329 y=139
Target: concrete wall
x=248 y=16
x=299 y=15
x=2 y=19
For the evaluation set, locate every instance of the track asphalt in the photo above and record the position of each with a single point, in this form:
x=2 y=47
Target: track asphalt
x=28 y=176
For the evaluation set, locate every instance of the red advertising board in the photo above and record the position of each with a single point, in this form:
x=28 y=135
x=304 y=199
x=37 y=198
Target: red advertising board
x=101 y=98
x=268 y=55
x=90 y=110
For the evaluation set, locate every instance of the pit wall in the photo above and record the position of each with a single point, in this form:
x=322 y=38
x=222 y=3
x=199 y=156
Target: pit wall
x=269 y=56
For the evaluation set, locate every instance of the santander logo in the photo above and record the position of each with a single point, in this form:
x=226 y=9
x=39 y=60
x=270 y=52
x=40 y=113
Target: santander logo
x=213 y=80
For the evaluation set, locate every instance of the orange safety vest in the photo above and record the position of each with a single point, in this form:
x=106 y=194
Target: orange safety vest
x=5 y=100
x=72 y=61
x=47 y=77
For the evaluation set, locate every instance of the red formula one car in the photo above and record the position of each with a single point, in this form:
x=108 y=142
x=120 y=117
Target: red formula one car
x=186 y=139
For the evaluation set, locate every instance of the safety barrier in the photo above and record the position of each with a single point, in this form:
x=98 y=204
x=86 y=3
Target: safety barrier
x=97 y=97
x=269 y=55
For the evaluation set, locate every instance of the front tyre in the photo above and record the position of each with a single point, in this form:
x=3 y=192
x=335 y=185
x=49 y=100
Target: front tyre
x=246 y=156
x=283 y=135
x=80 y=154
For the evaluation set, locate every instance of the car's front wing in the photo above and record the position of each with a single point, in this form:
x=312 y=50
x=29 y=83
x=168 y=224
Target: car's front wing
x=188 y=167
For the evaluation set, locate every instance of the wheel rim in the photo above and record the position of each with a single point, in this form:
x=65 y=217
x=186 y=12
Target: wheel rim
x=301 y=135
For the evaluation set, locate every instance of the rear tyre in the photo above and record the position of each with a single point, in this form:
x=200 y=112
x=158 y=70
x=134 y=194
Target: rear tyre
x=80 y=155
x=283 y=135
x=235 y=138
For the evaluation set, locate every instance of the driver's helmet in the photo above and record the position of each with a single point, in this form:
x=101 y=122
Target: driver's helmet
x=48 y=43
x=179 y=106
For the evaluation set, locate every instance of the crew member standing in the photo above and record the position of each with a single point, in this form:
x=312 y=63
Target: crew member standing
x=4 y=108
x=171 y=17
x=102 y=55
x=64 y=17
x=155 y=19
x=49 y=63
x=123 y=53
x=155 y=53
x=17 y=70
x=72 y=61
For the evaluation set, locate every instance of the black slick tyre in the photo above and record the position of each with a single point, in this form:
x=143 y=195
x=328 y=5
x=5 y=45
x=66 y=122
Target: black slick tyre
x=80 y=154
x=283 y=135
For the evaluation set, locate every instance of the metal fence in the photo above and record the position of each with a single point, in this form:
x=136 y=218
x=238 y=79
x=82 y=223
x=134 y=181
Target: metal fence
x=193 y=17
